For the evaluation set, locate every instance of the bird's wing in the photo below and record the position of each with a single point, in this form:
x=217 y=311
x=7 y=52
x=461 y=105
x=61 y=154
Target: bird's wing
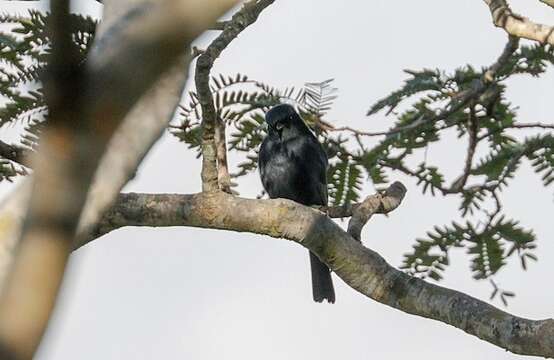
x=316 y=160
x=323 y=174
x=262 y=160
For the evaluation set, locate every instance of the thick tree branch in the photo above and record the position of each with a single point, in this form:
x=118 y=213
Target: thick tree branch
x=517 y=25
x=359 y=267
x=210 y=154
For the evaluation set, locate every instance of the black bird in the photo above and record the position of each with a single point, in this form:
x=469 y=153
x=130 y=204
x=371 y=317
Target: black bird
x=293 y=165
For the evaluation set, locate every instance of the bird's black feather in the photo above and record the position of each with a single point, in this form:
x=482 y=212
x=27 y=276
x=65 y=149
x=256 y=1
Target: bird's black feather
x=293 y=165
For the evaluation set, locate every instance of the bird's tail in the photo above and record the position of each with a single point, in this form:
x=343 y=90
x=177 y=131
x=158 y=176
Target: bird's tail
x=322 y=284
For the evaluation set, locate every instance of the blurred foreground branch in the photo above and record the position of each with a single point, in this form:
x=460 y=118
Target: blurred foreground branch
x=101 y=93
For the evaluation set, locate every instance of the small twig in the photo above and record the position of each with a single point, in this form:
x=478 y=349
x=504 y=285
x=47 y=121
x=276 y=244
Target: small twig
x=382 y=203
x=472 y=129
x=516 y=126
x=497 y=209
x=328 y=127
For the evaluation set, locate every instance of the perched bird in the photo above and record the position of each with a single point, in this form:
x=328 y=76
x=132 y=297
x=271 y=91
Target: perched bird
x=293 y=165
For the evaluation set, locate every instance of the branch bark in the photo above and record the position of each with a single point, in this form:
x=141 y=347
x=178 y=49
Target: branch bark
x=210 y=154
x=517 y=25
x=361 y=268
x=548 y=2
x=383 y=203
x=223 y=176
x=472 y=130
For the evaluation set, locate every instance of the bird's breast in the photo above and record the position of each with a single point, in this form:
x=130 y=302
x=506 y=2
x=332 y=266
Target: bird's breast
x=280 y=174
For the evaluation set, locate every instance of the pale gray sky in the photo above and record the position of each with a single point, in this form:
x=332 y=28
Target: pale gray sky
x=180 y=293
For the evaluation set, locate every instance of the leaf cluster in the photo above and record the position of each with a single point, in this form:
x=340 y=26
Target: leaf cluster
x=24 y=51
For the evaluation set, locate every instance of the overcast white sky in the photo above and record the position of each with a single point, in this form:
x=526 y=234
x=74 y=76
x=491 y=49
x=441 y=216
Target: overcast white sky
x=180 y=293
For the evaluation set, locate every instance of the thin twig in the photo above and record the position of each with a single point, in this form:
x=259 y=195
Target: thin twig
x=472 y=128
x=385 y=203
x=516 y=126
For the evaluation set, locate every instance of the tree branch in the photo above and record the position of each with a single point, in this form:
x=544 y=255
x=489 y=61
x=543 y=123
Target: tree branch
x=359 y=267
x=517 y=126
x=223 y=176
x=472 y=129
x=548 y=2
x=210 y=154
x=384 y=203
x=517 y=25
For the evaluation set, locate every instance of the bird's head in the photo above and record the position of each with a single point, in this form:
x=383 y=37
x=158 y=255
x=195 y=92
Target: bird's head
x=283 y=121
